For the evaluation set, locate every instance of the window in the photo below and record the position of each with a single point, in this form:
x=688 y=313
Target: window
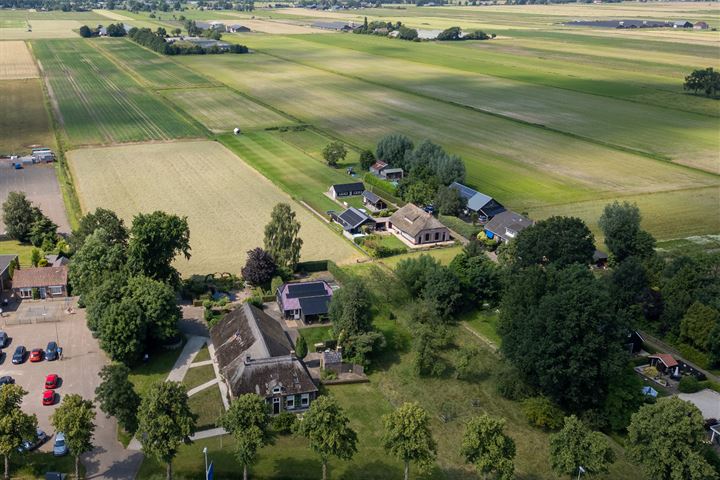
x=56 y=290
x=277 y=390
x=290 y=402
x=305 y=400
x=437 y=236
x=26 y=293
x=427 y=237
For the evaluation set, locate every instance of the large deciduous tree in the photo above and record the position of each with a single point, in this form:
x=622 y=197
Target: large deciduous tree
x=116 y=232
x=259 y=268
x=558 y=329
x=334 y=152
x=350 y=308
x=15 y=425
x=75 y=417
x=698 y=324
x=281 y=237
x=558 y=241
x=165 y=422
x=18 y=216
x=155 y=240
x=158 y=304
x=666 y=438
x=407 y=436
x=486 y=446
x=620 y=223
x=479 y=279
x=248 y=420
x=117 y=397
x=448 y=201
x=97 y=256
x=328 y=430
x=576 y=446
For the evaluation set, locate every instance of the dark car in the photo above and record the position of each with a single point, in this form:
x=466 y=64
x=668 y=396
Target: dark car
x=29 y=445
x=19 y=355
x=6 y=380
x=3 y=339
x=51 y=352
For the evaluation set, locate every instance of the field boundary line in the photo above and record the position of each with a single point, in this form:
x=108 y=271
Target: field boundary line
x=612 y=146
x=506 y=77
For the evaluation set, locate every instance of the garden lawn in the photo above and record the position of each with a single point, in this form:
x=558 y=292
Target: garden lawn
x=196 y=376
x=313 y=335
x=202 y=355
x=98 y=103
x=226 y=202
x=444 y=255
x=155 y=370
x=208 y=406
x=36 y=464
x=22 y=250
x=485 y=323
x=222 y=110
x=24 y=120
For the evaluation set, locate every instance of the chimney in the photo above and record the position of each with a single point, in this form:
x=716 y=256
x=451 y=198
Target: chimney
x=248 y=359
x=339 y=349
x=292 y=353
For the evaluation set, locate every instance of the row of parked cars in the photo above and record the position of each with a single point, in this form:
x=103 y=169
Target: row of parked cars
x=52 y=382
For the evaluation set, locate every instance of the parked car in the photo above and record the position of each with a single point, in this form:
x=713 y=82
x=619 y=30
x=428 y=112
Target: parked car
x=59 y=447
x=48 y=397
x=6 y=379
x=51 y=352
x=29 y=445
x=19 y=355
x=3 y=339
x=36 y=355
x=55 y=476
x=52 y=381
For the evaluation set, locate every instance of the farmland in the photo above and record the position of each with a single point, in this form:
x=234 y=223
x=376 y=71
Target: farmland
x=99 y=104
x=226 y=202
x=16 y=62
x=221 y=109
x=24 y=120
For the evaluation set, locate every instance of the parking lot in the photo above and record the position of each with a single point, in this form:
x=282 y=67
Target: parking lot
x=78 y=370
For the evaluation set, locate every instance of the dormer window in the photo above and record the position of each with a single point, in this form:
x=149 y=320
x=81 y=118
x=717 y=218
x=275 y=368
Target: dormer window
x=277 y=390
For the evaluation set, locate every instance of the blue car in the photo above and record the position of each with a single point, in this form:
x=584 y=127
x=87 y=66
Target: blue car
x=51 y=352
x=19 y=355
x=59 y=447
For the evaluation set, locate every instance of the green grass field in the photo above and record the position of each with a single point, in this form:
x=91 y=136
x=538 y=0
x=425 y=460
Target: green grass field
x=22 y=250
x=302 y=175
x=99 y=104
x=153 y=69
x=220 y=110
x=24 y=120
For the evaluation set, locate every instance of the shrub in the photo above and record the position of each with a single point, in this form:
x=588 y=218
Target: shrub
x=690 y=384
x=284 y=423
x=512 y=386
x=328 y=375
x=255 y=299
x=276 y=283
x=542 y=413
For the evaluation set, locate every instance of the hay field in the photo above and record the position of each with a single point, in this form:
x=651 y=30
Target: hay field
x=221 y=109
x=683 y=137
x=99 y=103
x=42 y=29
x=24 y=120
x=16 y=62
x=151 y=68
x=227 y=202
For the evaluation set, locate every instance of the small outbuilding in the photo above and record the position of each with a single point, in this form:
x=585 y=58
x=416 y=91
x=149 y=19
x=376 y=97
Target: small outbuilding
x=346 y=189
x=378 y=167
x=506 y=225
x=353 y=220
x=306 y=301
x=701 y=26
x=664 y=362
x=483 y=205
x=392 y=174
x=373 y=201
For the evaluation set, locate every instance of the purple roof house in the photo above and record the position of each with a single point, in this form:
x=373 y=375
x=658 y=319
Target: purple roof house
x=305 y=300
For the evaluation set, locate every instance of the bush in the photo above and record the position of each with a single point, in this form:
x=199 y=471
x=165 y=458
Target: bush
x=328 y=375
x=371 y=179
x=284 y=423
x=512 y=386
x=690 y=384
x=379 y=249
x=276 y=283
x=542 y=413
x=255 y=300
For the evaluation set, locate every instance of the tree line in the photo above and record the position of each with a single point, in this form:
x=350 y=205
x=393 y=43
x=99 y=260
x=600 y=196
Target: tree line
x=156 y=41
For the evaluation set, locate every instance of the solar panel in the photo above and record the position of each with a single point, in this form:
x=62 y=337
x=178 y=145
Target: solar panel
x=306 y=289
x=315 y=305
x=466 y=192
x=351 y=217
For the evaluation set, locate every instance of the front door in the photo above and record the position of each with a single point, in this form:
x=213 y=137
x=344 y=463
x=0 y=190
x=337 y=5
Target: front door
x=41 y=291
x=276 y=405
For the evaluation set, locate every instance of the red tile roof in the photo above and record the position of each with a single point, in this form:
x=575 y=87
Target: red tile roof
x=666 y=358
x=40 y=277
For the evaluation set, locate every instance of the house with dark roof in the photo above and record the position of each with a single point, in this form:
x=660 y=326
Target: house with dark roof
x=506 y=225
x=353 y=220
x=418 y=227
x=485 y=206
x=255 y=355
x=47 y=281
x=235 y=28
x=308 y=301
x=373 y=201
x=346 y=189
x=7 y=266
x=56 y=260
x=682 y=24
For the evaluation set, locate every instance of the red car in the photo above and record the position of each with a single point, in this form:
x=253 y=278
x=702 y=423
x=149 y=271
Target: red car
x=36 y=355
x=51 y=381
x=48 y=397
